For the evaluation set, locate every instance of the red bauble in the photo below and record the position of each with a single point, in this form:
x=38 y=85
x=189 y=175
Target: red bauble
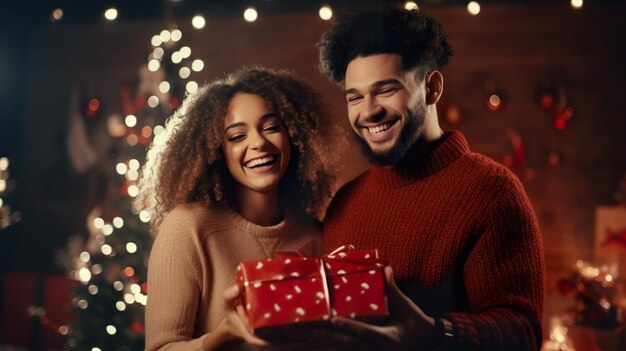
x=137 y=327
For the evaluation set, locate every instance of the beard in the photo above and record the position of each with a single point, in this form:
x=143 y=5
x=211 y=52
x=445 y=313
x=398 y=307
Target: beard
x=407 y=137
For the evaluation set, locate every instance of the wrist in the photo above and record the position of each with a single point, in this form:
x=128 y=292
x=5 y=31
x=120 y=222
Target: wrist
x=221 y=338
x=444 y=334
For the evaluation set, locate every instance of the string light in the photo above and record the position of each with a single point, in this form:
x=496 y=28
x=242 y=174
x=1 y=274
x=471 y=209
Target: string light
x=410 y=5
x=118 y=222
x=83 y=304
x=156 y=40
x=153 y=101
x=197 y=65
x=131 y=247
x=93 y=290
x=118 y=285
x=4 y=164
x=198 y=22
x=164 y=87
x=165 y=35
x=120 y=305
x=121 y=168
x=110 y=14
x=133 y=174
x=111 y=330
x=158 y=53
x=144 y=216
x=57 y=14
x=154 y=65
x=250 y=14
x=107 y=229
x=191 y=87
x=133 y=191
x=184 y=72
x=96 y=269
x=130 y=121
x=326 y=12
x=106 y=249
x=473 y=8
x=577 y=4
x=185 y=51
x=84 y=275
x=177 y=35
x=177 y=57
x=85 y=257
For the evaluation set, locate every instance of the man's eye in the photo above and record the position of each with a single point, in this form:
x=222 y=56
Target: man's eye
x=387 y=91
x=354 y=98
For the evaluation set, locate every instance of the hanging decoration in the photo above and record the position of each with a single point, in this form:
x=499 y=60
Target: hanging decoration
x=554 y=101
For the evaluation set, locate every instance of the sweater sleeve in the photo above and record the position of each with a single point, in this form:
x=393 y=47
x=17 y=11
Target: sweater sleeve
x=174 y=286
x=504 y=277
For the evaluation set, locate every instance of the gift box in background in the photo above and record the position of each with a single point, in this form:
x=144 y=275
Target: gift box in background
x=292 y=289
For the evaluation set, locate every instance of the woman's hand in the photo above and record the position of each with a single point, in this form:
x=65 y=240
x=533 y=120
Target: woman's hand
x=234 y=328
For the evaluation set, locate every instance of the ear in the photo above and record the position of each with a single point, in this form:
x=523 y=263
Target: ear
x=434 y=87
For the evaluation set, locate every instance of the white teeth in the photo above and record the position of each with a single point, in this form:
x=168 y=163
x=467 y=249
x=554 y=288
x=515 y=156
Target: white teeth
x=259 y=161
x=379 y=128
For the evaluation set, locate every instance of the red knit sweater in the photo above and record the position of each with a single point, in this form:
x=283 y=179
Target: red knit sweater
x=462 y=239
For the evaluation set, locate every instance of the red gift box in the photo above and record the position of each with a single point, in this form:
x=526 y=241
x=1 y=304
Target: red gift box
x=293 y=289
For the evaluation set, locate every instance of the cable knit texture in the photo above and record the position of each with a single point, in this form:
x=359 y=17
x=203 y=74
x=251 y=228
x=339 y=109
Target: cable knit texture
x=193 y=260
x=461 y=237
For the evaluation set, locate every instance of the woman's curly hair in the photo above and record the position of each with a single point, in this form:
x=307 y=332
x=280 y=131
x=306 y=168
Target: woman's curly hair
x=185 y=163
x=419 y=39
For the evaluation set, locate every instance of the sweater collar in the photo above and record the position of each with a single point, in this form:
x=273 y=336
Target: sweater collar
x=273 y=231
x=450 y=147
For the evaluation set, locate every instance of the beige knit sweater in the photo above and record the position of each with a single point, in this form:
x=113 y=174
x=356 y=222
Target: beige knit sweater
x=193 y=260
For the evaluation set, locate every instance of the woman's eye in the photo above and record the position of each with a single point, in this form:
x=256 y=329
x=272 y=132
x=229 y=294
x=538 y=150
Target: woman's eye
x=272 y=128
x=236 y=137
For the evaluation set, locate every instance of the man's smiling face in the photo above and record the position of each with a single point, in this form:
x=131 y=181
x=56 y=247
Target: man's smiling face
x=386 y=106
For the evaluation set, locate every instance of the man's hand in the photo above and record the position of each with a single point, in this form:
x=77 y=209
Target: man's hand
x=408 y=328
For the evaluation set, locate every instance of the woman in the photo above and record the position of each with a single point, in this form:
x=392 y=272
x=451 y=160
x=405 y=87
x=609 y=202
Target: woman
x=240 y=172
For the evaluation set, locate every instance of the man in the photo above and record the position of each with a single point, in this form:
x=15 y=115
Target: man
x=457 y=227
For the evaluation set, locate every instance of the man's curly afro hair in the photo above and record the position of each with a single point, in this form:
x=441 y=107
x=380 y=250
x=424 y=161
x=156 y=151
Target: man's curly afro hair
x=419 y=39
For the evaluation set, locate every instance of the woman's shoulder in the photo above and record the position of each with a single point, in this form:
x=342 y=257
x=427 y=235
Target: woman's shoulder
x=195 y=217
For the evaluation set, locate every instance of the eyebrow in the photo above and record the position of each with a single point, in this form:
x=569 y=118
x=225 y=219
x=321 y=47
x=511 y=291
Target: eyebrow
x=242 y=124
x=377 y=84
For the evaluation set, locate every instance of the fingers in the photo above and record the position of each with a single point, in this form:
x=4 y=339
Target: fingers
x=231 y=294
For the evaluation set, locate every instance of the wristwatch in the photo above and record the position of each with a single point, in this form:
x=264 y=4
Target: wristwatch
x=445 y=331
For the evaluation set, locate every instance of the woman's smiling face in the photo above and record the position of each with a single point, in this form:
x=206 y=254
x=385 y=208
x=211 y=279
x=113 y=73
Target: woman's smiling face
x=256 y=144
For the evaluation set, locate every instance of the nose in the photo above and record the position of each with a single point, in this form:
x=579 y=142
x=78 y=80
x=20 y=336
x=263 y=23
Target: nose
x=257 y=141
x=371 y=109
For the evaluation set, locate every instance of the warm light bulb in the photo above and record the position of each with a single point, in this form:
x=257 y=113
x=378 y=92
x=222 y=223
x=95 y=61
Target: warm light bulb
x=154 y=65
x=118 y=222
x=176 y=35
x=198 y=21
x=153 y=101
x=197 y=65
x=191 y=87
x=131 y=121
x=184 y=72
x=577 y=4
x=164 y=87
x=111 y=330
x=473 y=8
x=250 y=14
x=110 y=14
x=410 y=5
x=57 y=14
x=326 y=12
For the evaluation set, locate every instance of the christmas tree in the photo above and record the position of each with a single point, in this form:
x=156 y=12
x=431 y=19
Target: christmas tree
x=112 y=263
x=7 y=185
